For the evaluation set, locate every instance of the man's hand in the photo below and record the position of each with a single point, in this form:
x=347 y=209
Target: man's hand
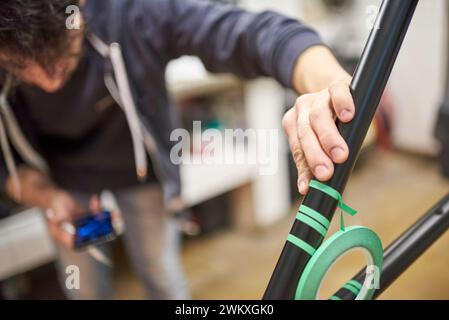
x=61 y=209
x=312 y=133
x=62 y=212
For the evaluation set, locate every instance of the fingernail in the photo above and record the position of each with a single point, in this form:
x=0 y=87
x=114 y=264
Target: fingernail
x=321 y=171
x=346 y=114
x=337 y=153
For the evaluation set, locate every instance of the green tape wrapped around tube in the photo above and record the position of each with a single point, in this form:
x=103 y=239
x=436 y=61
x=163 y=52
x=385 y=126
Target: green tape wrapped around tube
x=315 y=215
x=329 y=252
x=331 y=192
x=301 y=244
x=355 y=291
x=355 y=284
x=312 y=223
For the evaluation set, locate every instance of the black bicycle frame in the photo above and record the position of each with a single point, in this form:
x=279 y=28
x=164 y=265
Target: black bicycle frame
x=367 y=87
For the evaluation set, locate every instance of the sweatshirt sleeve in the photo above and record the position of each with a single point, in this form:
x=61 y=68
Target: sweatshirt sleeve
x=229 y=39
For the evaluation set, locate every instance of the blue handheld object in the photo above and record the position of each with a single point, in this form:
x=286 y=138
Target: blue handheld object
x=94 y=229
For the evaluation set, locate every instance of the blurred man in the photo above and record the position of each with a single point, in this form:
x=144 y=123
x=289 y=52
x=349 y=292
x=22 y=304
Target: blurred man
x=94 y=111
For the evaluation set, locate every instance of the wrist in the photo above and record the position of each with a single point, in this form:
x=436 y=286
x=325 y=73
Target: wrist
x=36 y=189
x=317 y=69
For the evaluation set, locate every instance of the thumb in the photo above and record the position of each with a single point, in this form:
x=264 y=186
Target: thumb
x=95 y=205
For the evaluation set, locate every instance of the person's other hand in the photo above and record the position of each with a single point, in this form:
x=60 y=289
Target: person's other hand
x=62 y=211
x=314 y=139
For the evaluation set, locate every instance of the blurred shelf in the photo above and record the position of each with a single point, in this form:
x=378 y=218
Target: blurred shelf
x=201 y=182
x=187 y=77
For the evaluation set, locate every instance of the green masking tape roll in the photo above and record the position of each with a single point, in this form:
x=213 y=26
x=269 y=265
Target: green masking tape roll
x=328 y=254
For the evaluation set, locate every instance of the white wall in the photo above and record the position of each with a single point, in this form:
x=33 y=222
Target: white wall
x=418 y=79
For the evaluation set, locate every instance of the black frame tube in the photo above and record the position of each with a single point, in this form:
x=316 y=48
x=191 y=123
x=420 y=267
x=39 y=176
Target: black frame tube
x=367 y=86
x=403 y=252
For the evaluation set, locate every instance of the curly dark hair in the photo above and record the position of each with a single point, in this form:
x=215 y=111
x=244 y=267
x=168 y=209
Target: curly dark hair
x=33 y=29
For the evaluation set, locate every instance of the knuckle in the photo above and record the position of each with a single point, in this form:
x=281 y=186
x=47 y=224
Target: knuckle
x=315 y=115
x=332 y=88
x=302 y=132
x=303 y=169
x=328 y=139
x=336 y=87
x=298 y=155
x=302 y=101
x=313 y=161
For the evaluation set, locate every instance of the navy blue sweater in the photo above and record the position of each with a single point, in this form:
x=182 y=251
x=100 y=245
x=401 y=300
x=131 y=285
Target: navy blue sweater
x=83 y=134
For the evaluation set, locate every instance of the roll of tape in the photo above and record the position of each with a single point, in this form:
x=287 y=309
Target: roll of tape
x=328 y=254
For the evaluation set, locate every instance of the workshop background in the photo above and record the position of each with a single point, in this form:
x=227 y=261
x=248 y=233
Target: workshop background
x=242 y=218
